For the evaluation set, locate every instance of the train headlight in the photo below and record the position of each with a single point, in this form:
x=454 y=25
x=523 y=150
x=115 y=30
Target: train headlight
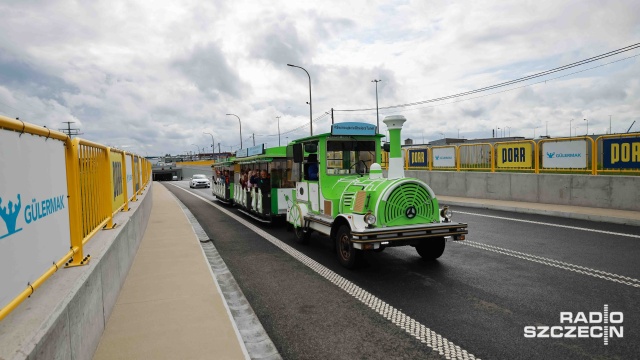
x=370 y=219
x=446 y=213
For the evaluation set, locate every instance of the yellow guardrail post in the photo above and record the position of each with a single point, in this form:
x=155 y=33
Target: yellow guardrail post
x=75 y=205
x=125 y=190
x=492 y=155
x=594 y=157
x=105 y=190
x=536 y=154
x=457 y=158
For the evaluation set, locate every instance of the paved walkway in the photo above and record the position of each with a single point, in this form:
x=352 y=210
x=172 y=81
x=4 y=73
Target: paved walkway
x=170 y=307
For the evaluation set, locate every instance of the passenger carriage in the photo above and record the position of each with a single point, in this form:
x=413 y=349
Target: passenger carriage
x=222 y=185
x=264 y=198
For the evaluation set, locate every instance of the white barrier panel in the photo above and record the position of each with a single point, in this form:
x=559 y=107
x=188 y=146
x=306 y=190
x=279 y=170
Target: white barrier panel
x=444 y=157
x=564 y=154
x=129 y=167
x=34 y=210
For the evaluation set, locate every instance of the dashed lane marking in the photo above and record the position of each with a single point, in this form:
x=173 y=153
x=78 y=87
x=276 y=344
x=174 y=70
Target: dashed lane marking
x=625 y=280
x=414 y=328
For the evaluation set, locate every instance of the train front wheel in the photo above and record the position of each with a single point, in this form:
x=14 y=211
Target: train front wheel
x=348 y=256
x=431 y=249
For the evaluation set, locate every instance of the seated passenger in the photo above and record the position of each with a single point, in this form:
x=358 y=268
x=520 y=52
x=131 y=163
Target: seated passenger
x=312 y=168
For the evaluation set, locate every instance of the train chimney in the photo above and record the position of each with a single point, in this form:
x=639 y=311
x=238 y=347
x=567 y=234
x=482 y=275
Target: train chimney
x=396 y=163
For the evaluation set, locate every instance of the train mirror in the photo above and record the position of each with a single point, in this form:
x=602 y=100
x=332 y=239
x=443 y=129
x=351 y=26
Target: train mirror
x=298 y=154
x=311 y=148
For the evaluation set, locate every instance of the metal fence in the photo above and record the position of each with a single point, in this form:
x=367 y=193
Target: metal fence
x=608 y=154
x=97 y=179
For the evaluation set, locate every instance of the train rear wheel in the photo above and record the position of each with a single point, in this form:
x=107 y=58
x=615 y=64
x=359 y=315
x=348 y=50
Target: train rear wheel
x=301 y=236
x=348 y=256
x=431 y=249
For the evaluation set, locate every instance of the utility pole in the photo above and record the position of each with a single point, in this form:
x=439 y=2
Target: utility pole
x=69 y=131
x=278 y=117
x=610 y=125
x=377 y=116
x=254 y=139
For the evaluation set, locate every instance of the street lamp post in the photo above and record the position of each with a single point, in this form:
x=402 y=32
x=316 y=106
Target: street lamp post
x=377 y=115
x=310 y=107
x=197 y=147
x=570 y=127
x=587 y=126
x=212 y=144
x=278 y=117
x=240 y=122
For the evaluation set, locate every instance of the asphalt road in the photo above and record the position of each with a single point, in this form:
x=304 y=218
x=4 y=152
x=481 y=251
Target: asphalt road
x=513 y=271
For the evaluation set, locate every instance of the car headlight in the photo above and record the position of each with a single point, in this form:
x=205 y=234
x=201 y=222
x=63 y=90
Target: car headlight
x=370 y=219
x=446 y=213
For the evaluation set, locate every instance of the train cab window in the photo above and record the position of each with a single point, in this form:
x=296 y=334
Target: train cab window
x=350 y=156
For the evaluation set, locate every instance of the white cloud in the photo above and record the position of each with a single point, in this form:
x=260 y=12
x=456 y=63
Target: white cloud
x=155 y=76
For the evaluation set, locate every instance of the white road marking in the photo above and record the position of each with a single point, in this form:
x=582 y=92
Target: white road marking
x=551 y=224
x=427 y=336
x=555 y=263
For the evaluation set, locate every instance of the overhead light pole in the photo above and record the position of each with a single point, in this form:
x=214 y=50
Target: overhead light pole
x=240 y=122
x=570 y=127
x=197 y=147
x=587 y=126
x=212 y=144
x=278 y=117
x=310 y=107
x=377 y=115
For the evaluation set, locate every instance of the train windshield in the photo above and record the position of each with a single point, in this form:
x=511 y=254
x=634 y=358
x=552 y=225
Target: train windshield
x=350 y=156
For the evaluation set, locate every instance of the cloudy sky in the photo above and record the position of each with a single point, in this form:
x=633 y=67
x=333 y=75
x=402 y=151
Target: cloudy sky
x=152 y=76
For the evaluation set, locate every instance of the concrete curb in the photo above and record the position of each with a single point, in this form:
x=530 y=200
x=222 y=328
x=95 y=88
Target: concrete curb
x=565 y=214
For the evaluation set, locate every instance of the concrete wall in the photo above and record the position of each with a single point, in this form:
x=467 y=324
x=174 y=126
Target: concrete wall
x=611 y=192
x=65 y=317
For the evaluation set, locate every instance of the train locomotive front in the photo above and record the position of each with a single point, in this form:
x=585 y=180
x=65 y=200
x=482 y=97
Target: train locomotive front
x=361 y=213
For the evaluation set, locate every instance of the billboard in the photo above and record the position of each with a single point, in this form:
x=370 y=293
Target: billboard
x=621 y=153
x=444 y=157
x=514 y=155
x=418 y=158
x=564 y=154
x=34 y=210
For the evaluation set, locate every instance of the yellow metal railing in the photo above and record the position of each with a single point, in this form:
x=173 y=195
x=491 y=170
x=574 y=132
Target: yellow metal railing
x=476 y=157
x=96 y=177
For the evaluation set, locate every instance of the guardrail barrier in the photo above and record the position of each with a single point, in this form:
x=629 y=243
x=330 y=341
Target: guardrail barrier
x=51 y=207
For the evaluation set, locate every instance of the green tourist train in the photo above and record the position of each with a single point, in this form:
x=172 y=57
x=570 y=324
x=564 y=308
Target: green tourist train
x=333 y=184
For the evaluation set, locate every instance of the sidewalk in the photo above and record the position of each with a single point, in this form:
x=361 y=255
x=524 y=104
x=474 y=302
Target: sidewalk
x=170 y=306
x=625 y=217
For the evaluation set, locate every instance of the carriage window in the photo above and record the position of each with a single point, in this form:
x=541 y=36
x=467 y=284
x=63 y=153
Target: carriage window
x=350 y=156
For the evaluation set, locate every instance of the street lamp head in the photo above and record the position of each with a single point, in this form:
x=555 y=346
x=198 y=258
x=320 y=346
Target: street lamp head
x=290 y=65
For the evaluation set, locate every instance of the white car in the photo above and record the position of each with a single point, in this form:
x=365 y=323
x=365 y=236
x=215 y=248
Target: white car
x=199 y=180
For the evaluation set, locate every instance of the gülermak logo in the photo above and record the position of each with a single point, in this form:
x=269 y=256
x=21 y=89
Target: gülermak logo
x=551 y=155
x=9 y=215
x=33 y=212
